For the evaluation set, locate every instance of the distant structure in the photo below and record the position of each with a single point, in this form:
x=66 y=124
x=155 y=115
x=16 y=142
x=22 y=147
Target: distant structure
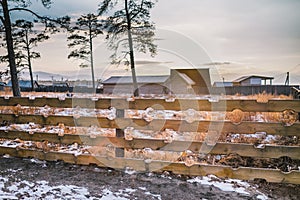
x=25 y=85
x=223 y=84
x=146 y=84
x=252 y=80
x=201 y=77
x=252 y=84
x=287 y=80
x=180 y=81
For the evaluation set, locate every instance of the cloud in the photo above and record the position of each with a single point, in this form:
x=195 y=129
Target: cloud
x=263 y=34
x=215 y=63
x=148 y=62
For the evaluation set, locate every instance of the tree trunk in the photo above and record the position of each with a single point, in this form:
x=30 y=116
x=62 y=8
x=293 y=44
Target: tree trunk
x=131 y=53
x=29 y=60
x=10 y=50
x=91 y=54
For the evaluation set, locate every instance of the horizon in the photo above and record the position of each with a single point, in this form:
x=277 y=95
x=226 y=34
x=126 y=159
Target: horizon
x=68 y=76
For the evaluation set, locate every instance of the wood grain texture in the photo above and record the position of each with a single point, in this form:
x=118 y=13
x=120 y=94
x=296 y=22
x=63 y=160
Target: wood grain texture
x=242 y=173
x=219 y=148
x=162 y=104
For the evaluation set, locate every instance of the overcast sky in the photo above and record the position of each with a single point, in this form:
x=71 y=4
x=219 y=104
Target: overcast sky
x=255 y=36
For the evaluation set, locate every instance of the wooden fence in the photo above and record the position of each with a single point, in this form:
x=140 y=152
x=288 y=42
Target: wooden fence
x=123 y=150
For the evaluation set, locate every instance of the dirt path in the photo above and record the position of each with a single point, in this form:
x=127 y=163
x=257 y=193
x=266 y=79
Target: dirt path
x=34 y=179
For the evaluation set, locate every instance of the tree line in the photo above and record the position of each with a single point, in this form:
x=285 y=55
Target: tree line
x=125 y=25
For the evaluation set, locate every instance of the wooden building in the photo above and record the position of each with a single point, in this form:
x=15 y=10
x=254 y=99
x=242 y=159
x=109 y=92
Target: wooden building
x=180 y=81
x=252 y=80
x=146 y=84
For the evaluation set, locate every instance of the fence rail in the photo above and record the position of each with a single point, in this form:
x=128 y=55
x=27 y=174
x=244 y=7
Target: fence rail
x=115 y=150
x=246 y=105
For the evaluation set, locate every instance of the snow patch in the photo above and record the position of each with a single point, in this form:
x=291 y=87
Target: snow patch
x=40 y=190
x=228 y=185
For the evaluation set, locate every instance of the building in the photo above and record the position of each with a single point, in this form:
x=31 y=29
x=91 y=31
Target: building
x=25 y=85
x=200 y=77
x=223 y=84
x=146 y=84
x=252 y=80
x=180 y=81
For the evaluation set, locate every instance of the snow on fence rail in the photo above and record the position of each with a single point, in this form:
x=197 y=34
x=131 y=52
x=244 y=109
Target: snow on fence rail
x=245 y=139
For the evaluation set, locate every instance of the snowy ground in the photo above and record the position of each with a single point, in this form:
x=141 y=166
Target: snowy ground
x=35 y=179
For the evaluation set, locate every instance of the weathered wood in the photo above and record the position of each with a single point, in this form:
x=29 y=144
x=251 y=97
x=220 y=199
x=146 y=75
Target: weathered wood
x=37 y=102
x=221 y=105
x=40 y=137
x=56 y=102
x=243 y=173
x=267 y=151
x=160 y=104
x=159 y=124
x=270 y=106
x=214 y=129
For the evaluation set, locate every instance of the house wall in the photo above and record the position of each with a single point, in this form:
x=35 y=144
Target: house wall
x=176 y=85
x=255 y=81
x=152 y=88
x=201 y=77
x=113 y=89
x=251 y=81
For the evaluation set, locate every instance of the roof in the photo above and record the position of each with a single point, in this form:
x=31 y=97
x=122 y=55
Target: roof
x=200 y=76
x=22 y=83
x=252 y=76
x=187 y=79
x=140 y=79
x=223 y=84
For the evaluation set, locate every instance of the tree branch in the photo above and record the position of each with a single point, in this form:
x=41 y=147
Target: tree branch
x=30 y=11
x=141 y=7
x=2 y=20
x=37 y=15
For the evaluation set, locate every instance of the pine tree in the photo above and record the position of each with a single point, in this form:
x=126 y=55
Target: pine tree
x=129 y=27
x=82 y=35
x=25 y=39
x=9 y=6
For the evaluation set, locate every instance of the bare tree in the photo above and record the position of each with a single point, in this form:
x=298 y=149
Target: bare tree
x=87 y=28
x=129 y=27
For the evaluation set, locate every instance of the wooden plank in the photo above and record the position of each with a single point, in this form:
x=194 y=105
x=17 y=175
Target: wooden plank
x=40 y=137
x=268 y=151
x=269 y=128
x=56 y=102
x=248 y=150
x=243 y=173
x=221 y=105
x=8 y=151
x=161 y=104
x=270 y=106
x=197 y=126
x=159 y=124
x=38 y=119
x=37 y=102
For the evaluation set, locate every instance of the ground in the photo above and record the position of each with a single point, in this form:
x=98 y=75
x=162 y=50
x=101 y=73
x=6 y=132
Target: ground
x=35 y=179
